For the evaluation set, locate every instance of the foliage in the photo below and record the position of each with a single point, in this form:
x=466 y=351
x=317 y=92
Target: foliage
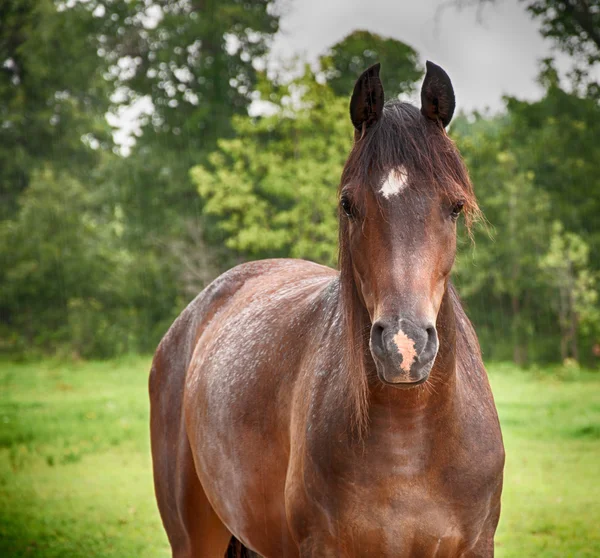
x=193 y=59
x=556 y=137
x=195 y=62
x=574 y=25
x=520 y=164
x=99 y=269
x=274 y=193
x=503 y=267
x=72 y=280
x=99 y=252
x=51 y=93
x=576 y=298
x=351 y=56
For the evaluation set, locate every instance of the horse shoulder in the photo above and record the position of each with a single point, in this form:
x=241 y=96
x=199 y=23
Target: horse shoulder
x=239 y=392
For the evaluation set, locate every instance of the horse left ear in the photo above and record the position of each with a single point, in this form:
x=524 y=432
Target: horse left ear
x=366 y=104
x=437 y=95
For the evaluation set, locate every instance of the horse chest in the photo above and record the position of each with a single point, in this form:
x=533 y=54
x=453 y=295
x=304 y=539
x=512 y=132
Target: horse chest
x=408 y=515
x=411 y=495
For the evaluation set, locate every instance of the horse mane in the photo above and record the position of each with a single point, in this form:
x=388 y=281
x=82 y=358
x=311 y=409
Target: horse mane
x=401 y=137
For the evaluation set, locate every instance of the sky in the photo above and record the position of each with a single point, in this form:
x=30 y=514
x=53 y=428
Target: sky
x=487 y=56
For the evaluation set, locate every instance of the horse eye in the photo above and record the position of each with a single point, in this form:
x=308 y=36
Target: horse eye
x=456 y=209
x=347 y=206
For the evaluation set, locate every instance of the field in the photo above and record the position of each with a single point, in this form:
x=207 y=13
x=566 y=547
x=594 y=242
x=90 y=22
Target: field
x=75 y=467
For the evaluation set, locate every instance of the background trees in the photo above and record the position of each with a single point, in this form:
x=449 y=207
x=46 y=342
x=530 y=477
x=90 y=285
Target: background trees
x=348 y=58
x=99 y=252
x=52 y=93
x=62 y=66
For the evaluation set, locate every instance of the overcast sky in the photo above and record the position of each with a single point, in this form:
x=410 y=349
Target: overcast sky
x=485 y=59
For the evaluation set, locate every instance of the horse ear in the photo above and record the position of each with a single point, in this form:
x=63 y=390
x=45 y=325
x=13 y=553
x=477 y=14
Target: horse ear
x=367 y=99
x=437 y=95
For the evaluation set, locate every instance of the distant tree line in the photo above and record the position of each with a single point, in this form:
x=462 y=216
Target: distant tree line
x=99 y=251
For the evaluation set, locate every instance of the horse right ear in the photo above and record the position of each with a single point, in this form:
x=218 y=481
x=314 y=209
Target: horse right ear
x=367 y=99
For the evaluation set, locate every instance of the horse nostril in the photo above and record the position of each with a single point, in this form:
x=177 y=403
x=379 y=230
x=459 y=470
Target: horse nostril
x=430 y=348
x=377 y=339
x=430 y=334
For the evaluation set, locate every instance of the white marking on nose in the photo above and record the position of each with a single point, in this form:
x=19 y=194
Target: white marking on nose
x=406 y=347
x=395 y=182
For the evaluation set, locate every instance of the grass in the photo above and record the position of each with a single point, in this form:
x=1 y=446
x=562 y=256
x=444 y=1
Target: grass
x=75 y=476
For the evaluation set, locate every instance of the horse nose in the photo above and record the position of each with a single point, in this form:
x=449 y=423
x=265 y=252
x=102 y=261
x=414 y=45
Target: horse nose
x=403 y=343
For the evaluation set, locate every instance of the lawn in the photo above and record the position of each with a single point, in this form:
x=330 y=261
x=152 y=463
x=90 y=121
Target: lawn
x=75 y=476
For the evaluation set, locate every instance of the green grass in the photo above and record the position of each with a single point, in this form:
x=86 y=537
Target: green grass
x=75 y=474
x=75 y=478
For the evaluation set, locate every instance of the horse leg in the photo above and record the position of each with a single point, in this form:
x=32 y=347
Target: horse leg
x=484 y=548
x=193 y=528
x=208 y=537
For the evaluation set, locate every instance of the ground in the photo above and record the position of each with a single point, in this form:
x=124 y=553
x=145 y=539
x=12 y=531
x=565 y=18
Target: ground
x=75 y=478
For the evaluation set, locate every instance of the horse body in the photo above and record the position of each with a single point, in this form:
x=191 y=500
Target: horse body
x=315 y=413
x=271 y=440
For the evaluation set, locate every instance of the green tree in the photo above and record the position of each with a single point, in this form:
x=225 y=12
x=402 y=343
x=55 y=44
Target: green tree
x=576 y=300
x=501 y=278
x=52 y=95
x=72 y=282
x=556 y=138
x=552 y=154
x=100 y=265
x=195 y=60
x=347 y=59
x=274 y=192
x=574 y=25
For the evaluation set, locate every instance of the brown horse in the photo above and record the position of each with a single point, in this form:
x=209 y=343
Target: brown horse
x=300 y=411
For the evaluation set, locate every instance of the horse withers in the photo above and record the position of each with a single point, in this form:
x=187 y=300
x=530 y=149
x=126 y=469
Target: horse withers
x=297 y=411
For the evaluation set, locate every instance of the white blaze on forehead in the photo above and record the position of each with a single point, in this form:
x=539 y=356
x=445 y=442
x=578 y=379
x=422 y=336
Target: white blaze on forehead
x=395 y=182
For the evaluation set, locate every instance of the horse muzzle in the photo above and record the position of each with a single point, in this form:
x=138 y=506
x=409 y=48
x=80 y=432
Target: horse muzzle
x=403 y=351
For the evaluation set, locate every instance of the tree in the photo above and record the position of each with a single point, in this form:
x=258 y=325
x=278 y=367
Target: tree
x=274 y=193
x=73 y=282
x=193 y=59
x=347 y=59
x=553 y=152
x=52 y=95
x=501 y=279
x=576 y=300
x=573 y=24
x=98 y=267
x=556 y=138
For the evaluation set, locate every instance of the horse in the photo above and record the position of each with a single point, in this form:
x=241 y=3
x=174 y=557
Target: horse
x=299 y=411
